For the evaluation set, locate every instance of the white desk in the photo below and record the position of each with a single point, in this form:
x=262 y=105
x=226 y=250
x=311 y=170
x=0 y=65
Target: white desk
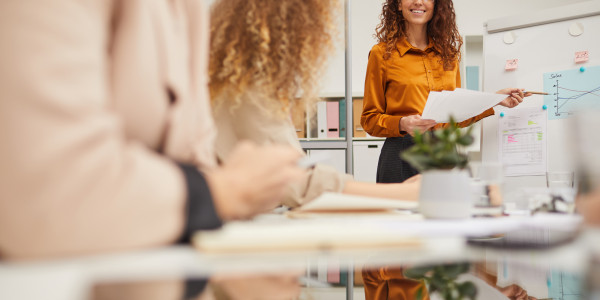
x=72 y=278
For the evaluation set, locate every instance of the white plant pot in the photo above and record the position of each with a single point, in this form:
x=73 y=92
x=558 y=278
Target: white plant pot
x=446 y=194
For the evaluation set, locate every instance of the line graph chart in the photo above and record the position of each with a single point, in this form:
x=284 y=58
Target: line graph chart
x=571 y=91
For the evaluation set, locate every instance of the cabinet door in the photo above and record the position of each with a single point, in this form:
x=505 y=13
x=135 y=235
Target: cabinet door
x=366 y=156
x=335 y=157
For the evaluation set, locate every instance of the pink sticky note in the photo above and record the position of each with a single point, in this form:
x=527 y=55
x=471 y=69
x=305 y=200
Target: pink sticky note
x=582 y=56
x=511 y=64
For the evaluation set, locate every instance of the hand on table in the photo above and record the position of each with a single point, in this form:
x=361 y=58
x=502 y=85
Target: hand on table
x=253 y=179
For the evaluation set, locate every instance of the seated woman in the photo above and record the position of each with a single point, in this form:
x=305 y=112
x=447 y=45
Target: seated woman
x=264 y=54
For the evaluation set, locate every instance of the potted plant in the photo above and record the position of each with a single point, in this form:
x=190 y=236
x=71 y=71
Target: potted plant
x=445 y=187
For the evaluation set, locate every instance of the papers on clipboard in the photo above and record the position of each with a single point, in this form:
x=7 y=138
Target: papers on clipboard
x=461 y=104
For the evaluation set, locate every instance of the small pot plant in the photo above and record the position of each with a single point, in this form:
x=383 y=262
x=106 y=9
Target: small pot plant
x=438 y=150
x=442 y=279
x=445 y=187
x=445 y=193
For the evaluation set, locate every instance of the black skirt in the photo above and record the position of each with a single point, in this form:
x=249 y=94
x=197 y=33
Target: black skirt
x=391 y=168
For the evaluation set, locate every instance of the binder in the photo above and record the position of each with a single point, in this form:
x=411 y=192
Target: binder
x=342 y=118
x=322 y=120
x=333 y=119
x=357 y=107
x=298 y=116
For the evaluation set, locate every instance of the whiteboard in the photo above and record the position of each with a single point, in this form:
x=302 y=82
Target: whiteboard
x=542 y=44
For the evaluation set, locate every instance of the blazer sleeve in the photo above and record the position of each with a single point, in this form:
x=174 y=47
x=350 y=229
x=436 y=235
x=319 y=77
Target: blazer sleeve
x=374 y=120
x=70 y=182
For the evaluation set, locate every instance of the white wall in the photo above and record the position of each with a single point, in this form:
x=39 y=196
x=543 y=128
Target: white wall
x=364 y=17
x=472 y=14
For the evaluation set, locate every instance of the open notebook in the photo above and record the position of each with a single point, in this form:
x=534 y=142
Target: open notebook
x=328 y=202
x=302 y=234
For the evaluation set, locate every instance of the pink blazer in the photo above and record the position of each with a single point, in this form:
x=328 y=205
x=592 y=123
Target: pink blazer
x=99 y=98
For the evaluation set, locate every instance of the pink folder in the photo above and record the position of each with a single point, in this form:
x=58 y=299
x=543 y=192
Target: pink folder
x=333 y=119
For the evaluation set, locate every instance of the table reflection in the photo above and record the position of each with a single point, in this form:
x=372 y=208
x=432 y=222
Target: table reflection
x=219 y=287
x=492 y=275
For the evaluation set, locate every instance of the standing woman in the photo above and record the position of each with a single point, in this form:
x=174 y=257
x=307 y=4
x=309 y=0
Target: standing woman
x=418 y=52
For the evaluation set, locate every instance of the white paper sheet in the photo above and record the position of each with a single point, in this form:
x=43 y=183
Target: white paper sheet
x=337 y=201
x=461 y=104
x=522 y=141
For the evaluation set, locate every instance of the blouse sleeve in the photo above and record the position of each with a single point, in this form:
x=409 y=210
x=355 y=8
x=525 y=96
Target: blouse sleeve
x=373 y=119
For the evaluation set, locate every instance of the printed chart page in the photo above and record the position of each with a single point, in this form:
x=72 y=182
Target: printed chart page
x=570 y=91
x=522 y=141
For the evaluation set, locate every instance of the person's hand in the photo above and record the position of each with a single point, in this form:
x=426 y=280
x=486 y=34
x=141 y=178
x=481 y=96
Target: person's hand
x=414 y=122
x=253 y=179
x=407 y=190
x=515 y=97
x=265 y=287
x=515 y=292
x=410 y=188
x=589 y=206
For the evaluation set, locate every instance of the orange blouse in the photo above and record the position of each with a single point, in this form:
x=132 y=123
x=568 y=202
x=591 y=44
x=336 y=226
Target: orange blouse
x=399 y=87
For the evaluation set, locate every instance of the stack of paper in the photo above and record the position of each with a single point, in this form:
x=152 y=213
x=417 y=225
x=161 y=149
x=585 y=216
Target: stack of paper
x=461 y=104
x=344 y=202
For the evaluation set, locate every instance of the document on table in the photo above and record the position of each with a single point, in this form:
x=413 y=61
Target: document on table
x=461 y=104
x=368 y=231
x=344 y=202
x=522 y=141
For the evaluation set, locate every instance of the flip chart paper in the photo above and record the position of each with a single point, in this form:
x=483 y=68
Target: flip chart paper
x=523 y=139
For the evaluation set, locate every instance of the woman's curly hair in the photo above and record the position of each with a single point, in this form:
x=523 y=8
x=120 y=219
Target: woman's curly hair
x=441 y=29
x=275 y=47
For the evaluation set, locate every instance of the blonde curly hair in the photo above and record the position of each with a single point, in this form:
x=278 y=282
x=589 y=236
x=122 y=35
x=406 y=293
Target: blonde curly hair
x=274 y=47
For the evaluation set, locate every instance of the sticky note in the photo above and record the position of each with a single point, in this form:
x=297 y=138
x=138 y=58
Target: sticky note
x=511 y=64
x=582 y=56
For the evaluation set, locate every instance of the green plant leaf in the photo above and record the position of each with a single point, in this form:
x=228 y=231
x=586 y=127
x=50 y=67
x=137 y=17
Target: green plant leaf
x=465 y=140
x=419 y=293
x=437 y=150
x=453 y=270
x=419 y=162
x=417 y=272
x=467 y=289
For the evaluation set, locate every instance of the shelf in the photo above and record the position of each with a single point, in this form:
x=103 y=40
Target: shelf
x=323 y=144
x=357 y=139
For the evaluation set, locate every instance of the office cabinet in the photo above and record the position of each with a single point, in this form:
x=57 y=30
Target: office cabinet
x=366 y=156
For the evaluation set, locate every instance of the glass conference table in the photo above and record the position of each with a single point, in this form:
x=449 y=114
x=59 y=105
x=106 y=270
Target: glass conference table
x=498 y=266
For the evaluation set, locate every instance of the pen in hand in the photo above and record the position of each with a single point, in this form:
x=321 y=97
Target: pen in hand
x=314 y=158
x=536 y=93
